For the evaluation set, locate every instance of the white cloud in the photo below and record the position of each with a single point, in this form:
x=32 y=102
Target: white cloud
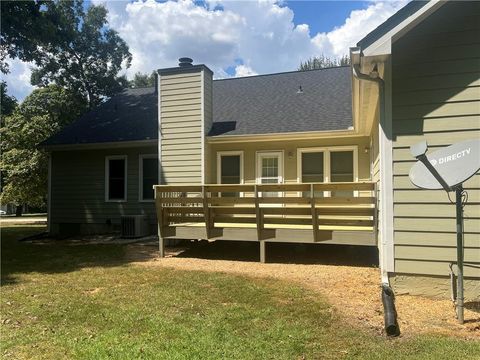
x=360 y=22
x=224 y=33
x=18 y=79
x=243 y=70
x=244 y=37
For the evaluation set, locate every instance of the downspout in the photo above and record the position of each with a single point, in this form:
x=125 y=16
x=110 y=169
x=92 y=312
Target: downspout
x=381 y=84
x=388 y=296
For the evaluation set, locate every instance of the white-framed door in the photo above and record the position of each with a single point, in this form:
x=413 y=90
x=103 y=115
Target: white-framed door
x=269 y=169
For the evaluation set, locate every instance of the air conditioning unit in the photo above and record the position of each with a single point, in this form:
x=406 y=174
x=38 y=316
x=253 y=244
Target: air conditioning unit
x=134 y=226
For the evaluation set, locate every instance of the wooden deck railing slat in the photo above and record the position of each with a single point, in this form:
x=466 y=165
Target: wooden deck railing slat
x=249 y=204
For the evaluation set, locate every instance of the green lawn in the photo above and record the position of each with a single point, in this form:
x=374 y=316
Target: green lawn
x=86 y=301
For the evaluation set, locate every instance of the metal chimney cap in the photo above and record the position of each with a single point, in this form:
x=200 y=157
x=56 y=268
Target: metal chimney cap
x=185 y=61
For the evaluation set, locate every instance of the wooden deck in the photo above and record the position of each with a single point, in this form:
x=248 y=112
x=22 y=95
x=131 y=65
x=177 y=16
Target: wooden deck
x=331 y=213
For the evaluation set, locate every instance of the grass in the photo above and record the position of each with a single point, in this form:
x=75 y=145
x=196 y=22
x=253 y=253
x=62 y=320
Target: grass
x=87 y=302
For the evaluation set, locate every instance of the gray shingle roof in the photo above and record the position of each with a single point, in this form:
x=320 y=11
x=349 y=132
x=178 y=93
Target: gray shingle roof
x=261 y=104
x=272 y=103
x=128 y=116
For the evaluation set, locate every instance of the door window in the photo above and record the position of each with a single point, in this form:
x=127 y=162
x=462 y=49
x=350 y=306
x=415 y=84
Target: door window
x=270 y=170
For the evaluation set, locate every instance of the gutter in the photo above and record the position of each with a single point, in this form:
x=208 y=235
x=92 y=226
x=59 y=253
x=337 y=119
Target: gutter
x=99 y=145
x=283 y=136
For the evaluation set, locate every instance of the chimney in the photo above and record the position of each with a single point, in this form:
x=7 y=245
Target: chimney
x=185 y=62
x=184 y=118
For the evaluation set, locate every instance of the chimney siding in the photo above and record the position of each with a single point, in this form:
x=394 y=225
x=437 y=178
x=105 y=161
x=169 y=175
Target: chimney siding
x=184 y=118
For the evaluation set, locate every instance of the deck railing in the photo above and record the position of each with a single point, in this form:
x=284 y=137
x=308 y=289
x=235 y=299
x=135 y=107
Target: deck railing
x=321 y=208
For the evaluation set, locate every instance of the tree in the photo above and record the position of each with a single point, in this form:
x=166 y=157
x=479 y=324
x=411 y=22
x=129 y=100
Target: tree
x=142 y=80
x=71 y=46
x=84 y=55
x=24 y=27
x=321 y=62
x=8 y=103
x=24 y=166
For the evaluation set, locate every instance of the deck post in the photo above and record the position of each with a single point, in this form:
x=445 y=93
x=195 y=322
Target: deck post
x=262 y=250
x=161 y=244
x=258 y=215
x=314 y=213
x=206 y=212
x=159 y=208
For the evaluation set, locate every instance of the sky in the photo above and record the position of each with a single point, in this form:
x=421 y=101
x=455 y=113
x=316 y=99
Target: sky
x=233 y=38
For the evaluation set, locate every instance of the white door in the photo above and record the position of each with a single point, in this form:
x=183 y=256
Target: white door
x=270 y=170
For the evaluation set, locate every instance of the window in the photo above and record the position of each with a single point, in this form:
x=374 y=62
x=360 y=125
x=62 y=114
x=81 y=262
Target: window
x=116 y=178
x=335 y=164
x=270 y=169
x=312 y=167
x=341 y=169
x=148 y=176
x=230 y=169
x=313 y=170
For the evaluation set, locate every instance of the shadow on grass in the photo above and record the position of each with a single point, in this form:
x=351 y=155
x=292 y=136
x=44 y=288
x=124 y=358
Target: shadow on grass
x=286 y=253
x=473 y=306
x=52 y=257
x=66 y=256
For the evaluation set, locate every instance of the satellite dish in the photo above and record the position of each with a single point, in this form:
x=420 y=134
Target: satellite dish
x=455 y=164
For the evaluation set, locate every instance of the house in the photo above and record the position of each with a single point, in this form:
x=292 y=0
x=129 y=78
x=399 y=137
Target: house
x=320 y=156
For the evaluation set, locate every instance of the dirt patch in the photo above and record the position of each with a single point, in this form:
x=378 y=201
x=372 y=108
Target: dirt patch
x=92 y=291
x=354 y=290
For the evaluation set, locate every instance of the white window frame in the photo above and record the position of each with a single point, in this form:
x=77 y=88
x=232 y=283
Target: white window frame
x=326 y=161
x=219 y=164
x=140 y=176
x=107 y=171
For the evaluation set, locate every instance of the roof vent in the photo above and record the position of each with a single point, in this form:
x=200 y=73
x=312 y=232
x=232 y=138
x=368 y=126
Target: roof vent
x=300 y=90
x=185 y=62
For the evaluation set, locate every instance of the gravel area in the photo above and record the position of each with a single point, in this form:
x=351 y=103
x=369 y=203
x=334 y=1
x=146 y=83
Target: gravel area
x=351 y=284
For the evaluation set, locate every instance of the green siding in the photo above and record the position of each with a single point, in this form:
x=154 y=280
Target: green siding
x=78 y=189
x=436 y=96
x=181 y=128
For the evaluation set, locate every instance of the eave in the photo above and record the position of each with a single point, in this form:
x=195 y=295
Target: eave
x=314 y=135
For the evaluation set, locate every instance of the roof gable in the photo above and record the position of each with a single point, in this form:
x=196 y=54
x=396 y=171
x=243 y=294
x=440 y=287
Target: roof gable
x=315 y=100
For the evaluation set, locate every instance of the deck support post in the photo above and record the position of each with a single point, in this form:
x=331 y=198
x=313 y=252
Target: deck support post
x=314 y=213
x=160 y=214
x=161 y=245
x=262 y=251
x=258 y=215
x=206 y=213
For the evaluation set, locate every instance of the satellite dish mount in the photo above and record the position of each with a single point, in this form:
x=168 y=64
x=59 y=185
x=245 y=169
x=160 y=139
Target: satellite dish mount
x=449 y=168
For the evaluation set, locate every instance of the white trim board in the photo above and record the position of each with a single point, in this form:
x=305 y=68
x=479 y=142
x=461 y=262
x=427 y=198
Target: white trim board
x=107 y=171
x=387 y=256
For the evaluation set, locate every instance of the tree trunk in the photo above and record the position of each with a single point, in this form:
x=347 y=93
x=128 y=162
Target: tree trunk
x=19 y=210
